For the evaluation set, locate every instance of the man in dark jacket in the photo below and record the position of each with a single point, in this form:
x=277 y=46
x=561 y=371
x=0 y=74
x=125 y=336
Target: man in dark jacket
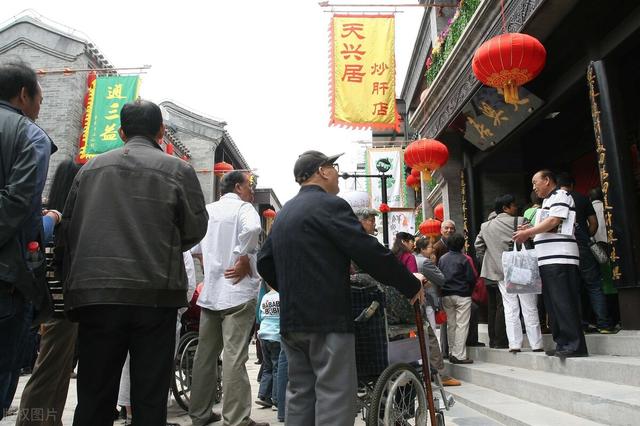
x=456 y=291
x=24 y=159
x=129 y=216
x=306 y=258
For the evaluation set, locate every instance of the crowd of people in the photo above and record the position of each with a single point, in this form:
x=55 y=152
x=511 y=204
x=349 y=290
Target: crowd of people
x=106 y=263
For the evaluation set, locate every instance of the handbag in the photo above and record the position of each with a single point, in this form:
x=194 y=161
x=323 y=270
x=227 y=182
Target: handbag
x=598 y=252
x=521 y=272
x=441 y=317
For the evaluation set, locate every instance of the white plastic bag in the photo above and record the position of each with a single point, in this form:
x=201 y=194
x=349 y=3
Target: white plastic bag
x=521 y=273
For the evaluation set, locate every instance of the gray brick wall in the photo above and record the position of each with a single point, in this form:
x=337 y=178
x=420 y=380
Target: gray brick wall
x=62 y=107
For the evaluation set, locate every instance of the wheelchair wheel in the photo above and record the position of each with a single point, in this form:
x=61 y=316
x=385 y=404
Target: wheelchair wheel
x=399 y=398
x=183 y=365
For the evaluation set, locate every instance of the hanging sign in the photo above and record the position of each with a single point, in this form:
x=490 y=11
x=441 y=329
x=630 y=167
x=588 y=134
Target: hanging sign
x=391 y=161
x=106 y=97
x=363 y=72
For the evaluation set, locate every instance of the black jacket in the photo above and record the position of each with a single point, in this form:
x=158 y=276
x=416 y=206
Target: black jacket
x=129 y=216
x=307 y=256
x=459 y=279
x=18 y=175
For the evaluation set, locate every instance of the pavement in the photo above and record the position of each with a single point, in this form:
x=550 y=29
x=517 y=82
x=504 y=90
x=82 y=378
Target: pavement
x=458 y=415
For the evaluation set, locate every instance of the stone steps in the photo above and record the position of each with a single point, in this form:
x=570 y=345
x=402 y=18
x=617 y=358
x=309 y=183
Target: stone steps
x=624 y=343
x=509 y=410
x=595 y=400
x=608 y=368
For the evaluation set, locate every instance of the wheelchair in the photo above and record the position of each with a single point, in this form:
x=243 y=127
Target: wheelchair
x=391 y=388
x=183 y=361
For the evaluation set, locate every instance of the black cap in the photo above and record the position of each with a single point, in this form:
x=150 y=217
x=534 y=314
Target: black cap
x=308 y=163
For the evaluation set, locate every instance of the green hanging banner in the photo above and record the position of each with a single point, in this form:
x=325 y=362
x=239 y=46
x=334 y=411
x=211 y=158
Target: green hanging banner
x=106 y=97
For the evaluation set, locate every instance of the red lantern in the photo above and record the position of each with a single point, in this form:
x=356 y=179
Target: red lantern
x=508 y=61
x=430 y=228
x=384 y=208
x=221 y=168
x=413 y=182
x=416 y=173
x=269 y=213
x=426 y=155
x=438 y=212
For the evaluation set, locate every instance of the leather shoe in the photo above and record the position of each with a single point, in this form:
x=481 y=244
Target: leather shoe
x=570 y=354
x=454 y=360
x=538 y=350
x=449 y=381
x=254 y=423
x=514 y=351
x=477 y=345
x=550 y=352
x=213 y=418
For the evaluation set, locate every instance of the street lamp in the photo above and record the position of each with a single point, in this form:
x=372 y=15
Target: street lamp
x=383 y=165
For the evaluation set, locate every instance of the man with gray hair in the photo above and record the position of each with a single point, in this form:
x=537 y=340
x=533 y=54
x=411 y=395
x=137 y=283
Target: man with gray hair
x=228 y=302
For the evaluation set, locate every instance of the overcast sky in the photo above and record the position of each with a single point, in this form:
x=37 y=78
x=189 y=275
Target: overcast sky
x=260 y=66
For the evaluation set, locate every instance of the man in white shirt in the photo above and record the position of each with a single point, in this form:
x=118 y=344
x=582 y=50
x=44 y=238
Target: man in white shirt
x=228 y=302
x=558 y=259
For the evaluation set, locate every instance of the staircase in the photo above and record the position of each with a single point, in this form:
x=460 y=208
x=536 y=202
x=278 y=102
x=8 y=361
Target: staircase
x=530 y=388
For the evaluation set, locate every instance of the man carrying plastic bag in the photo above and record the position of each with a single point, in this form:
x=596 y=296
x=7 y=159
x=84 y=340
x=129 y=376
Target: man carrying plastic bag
x=558 y=259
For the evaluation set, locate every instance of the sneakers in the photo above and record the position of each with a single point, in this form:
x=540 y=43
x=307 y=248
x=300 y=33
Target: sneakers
x=254 y=423
x=264 y=402
x=454 y=360
x=449 y=381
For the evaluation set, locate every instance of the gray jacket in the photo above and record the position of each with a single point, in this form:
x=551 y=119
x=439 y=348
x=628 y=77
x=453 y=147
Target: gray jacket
x=494 y=238
x=130 y=214
x=431 y=272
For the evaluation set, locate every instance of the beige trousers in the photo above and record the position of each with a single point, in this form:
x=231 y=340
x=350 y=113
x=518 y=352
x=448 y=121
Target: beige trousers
x=228 y=329
x=458 y=311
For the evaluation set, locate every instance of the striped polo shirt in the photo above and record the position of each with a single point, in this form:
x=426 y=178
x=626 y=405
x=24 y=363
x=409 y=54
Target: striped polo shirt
x=552 y=247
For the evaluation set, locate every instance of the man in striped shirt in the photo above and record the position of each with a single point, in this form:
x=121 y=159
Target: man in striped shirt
x=558 y=259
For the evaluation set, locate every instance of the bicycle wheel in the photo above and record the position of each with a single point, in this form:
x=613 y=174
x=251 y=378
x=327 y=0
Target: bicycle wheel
x=183 y=365
x=398 y=398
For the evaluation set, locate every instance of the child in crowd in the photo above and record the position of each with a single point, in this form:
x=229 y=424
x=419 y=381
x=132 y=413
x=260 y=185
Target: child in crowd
x=269 y=335
x=456 y=297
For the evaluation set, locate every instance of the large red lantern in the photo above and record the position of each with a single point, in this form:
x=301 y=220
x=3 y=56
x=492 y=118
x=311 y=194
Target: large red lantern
x=426 y=155
x=221 y=168
x=430 y=228
x=438 y=212
x=416 y=173
x=413 y=182
x=508 y=61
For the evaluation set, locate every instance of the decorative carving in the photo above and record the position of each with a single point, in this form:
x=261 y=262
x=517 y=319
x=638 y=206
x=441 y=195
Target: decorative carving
x=517 y=14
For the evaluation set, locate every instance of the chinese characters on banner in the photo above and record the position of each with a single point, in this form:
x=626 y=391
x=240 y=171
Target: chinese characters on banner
x=396 y=189
x=107 y=96
x=363 y=74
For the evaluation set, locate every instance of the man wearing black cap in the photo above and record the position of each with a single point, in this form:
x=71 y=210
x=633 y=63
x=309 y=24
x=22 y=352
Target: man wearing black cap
x=306 y=258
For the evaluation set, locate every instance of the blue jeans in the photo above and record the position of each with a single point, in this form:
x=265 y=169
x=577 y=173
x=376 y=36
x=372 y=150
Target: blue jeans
x=592 y=281
x=283 y=379
x=16 y=316
x=269 y=380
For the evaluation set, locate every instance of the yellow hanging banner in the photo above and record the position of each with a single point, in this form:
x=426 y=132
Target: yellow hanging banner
x=363 y=71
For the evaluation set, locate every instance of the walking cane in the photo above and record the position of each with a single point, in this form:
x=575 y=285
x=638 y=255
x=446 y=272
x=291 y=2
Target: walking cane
x=426 y=368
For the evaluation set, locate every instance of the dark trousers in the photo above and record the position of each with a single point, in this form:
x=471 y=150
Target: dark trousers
x=592 y=280
x=561 y=292
x=269 y=380
x=105 y=334
x=472 y=337
x=16 y=316
x=496 y=325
